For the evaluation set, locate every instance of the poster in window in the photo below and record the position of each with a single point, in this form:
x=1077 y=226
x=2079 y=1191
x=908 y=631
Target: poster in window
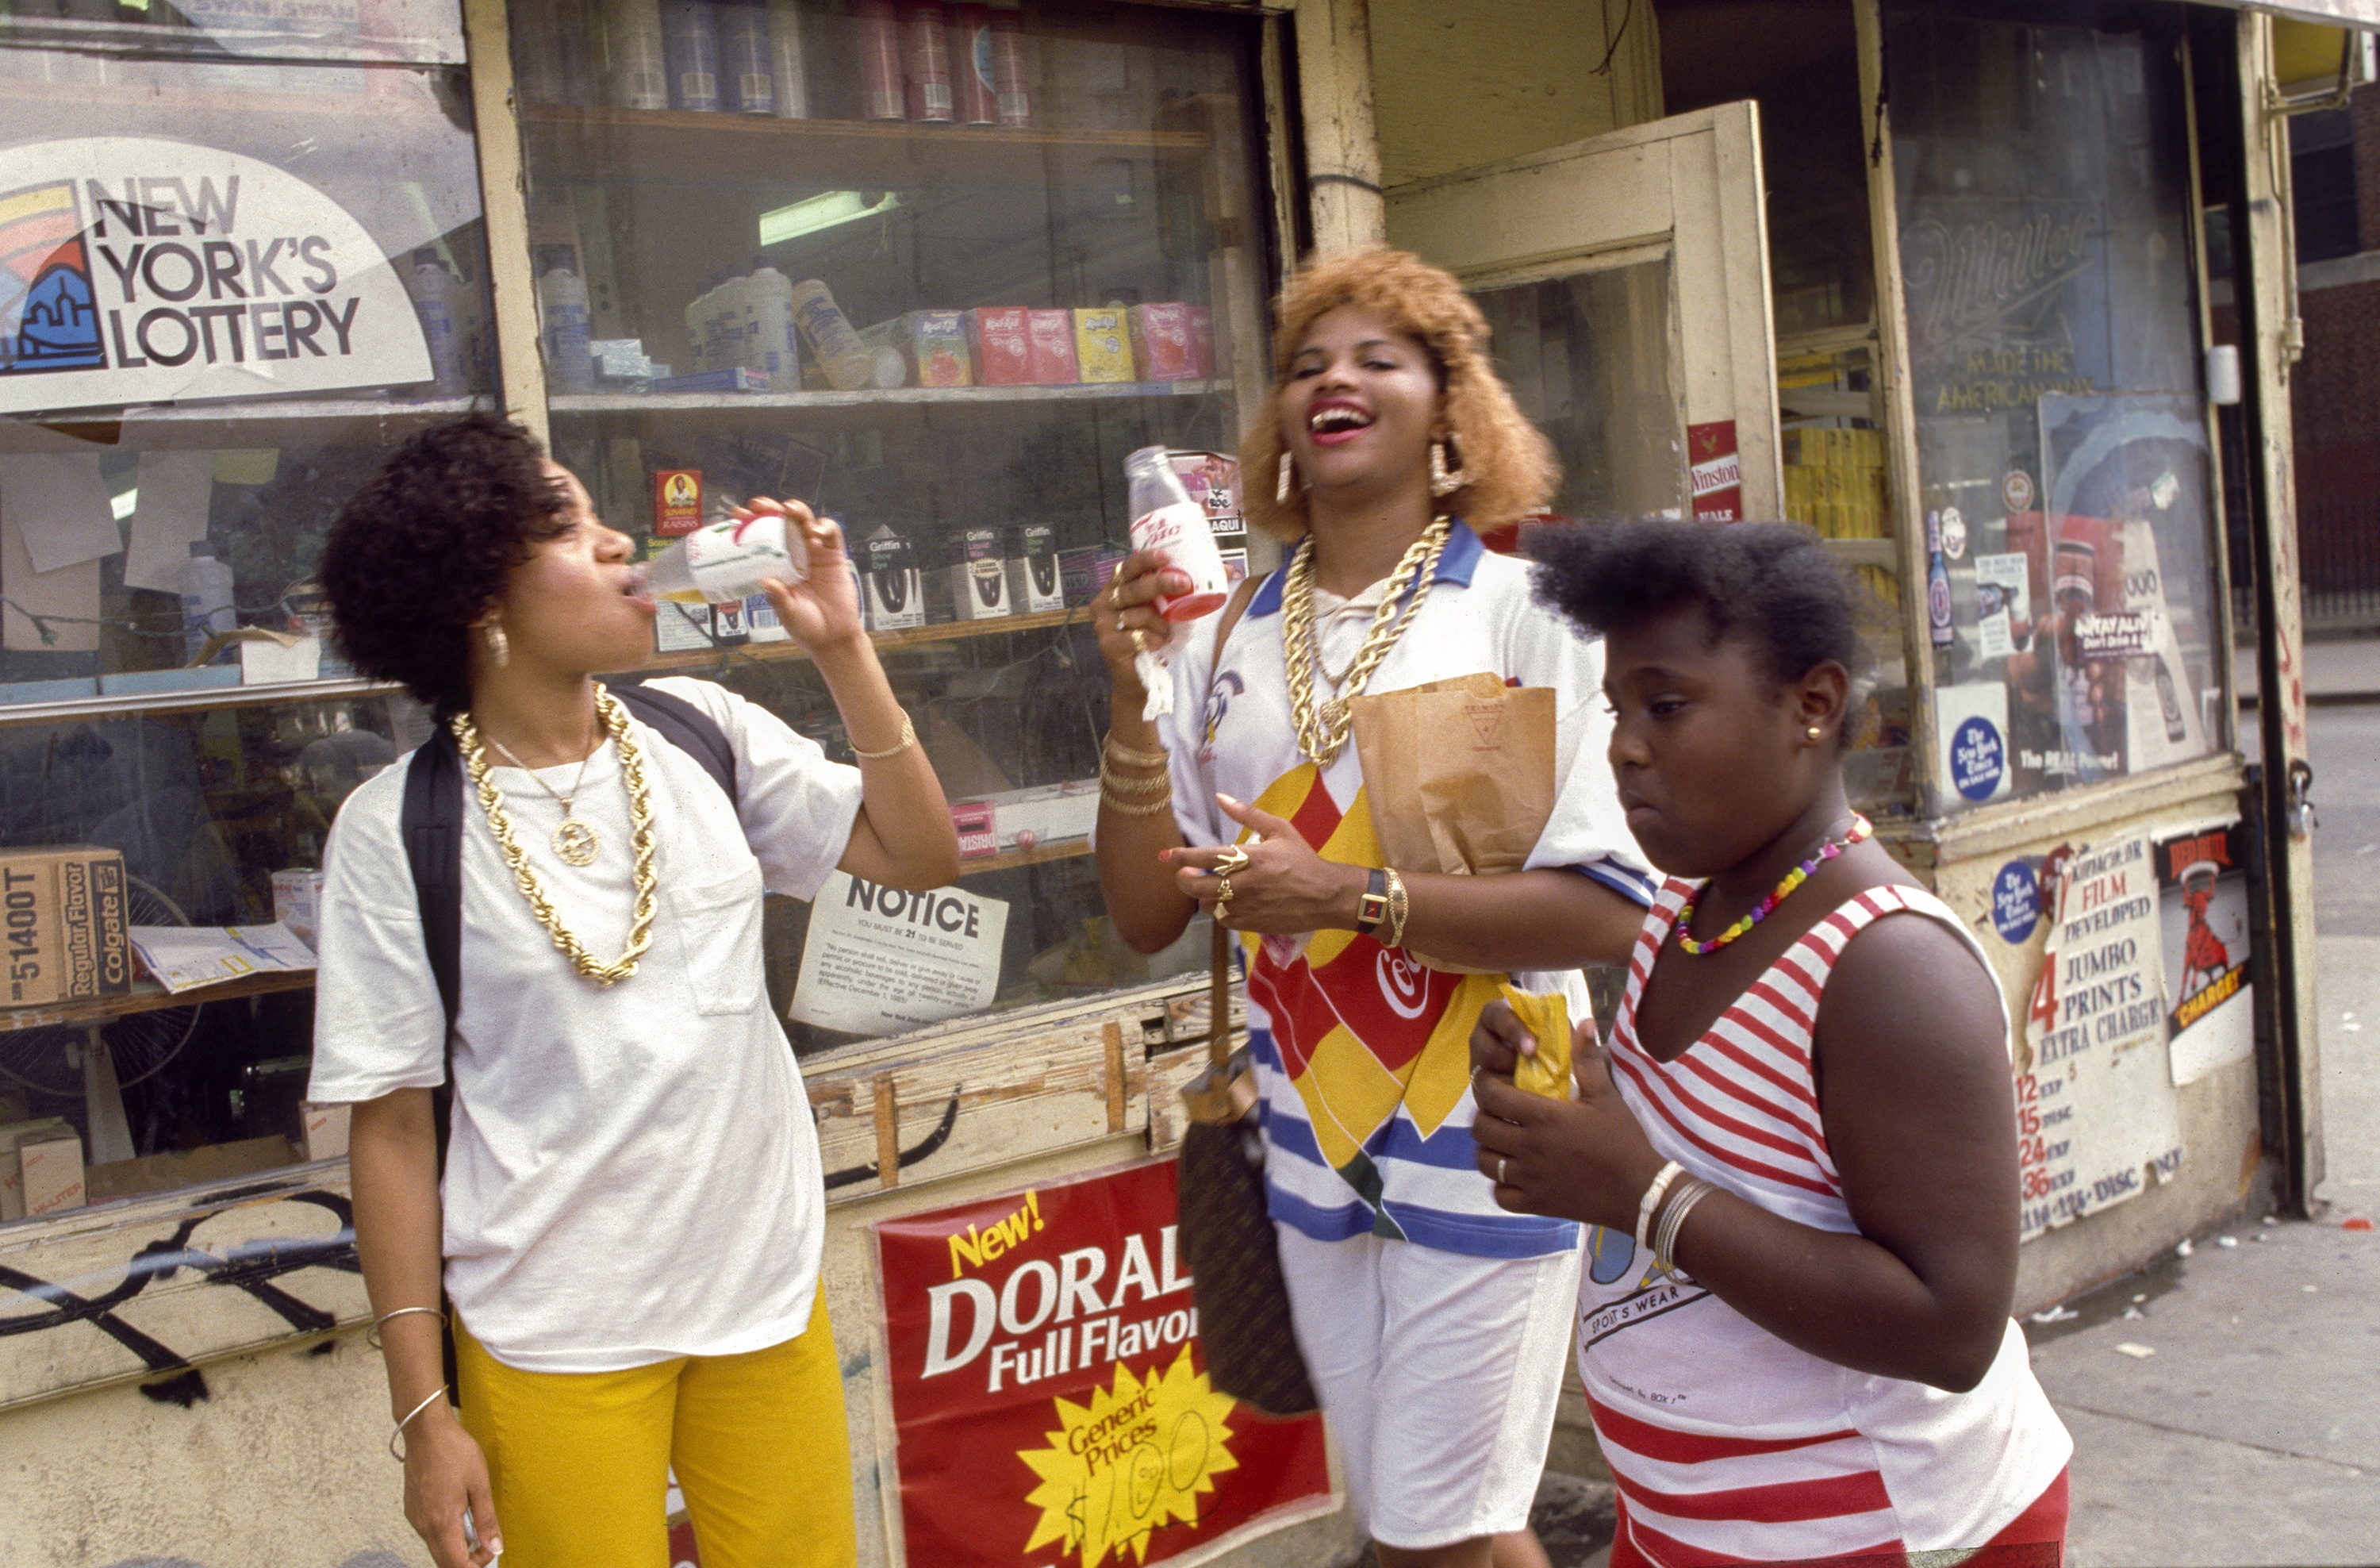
x=2202 y=884
x=1050 y=1398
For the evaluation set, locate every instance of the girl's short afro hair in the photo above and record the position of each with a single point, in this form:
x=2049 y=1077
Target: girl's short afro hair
x=423 y=549
x=1772 y=585
x=1511 y=463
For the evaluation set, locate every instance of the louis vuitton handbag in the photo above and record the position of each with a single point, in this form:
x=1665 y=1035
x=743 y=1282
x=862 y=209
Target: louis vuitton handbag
x=1227 y=1237
x=1226 y=1234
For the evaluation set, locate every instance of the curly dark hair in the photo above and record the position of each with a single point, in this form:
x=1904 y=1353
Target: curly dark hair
x=1773 y=585
x=423 y=549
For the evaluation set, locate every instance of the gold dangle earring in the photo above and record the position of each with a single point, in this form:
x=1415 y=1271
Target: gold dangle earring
x=500 y=646
x=1288 y=473
x=1441 y=482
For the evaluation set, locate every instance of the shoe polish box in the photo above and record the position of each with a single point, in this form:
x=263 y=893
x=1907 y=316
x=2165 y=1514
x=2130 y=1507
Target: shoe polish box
x=1035 y=583
x=975 y=578
x=892 y=592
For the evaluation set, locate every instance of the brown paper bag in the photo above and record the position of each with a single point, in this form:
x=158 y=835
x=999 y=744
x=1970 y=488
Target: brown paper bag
x=1459 y=775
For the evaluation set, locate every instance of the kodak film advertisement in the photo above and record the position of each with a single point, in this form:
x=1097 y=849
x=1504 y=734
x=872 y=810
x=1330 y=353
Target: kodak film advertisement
x=138 y=270
x=1049 y=1398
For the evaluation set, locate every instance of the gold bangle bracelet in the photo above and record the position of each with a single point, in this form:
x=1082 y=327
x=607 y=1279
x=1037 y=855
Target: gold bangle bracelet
x=1399 y=908
x=1131 y=756
x=1126 y=809
x=908 y=739
x=1159 y=784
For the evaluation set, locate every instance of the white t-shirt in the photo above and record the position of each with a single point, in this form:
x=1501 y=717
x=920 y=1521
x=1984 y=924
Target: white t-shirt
x=1363 y=1056
x=634 y=1174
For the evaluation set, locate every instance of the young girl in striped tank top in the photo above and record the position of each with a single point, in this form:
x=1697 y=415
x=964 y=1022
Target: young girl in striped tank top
x=1799 y=1150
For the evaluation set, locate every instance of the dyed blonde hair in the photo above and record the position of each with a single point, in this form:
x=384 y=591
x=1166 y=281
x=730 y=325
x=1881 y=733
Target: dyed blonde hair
x=1511 y=463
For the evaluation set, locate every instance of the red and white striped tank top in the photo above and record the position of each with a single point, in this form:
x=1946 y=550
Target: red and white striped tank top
x=1728 y=1443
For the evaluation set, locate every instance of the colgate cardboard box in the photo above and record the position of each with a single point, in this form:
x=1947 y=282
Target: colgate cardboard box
x=63 y=921
x=1002 y=340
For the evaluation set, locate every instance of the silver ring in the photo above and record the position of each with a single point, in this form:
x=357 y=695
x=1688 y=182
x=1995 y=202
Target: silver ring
x=1499 y=1169
x=1120 y=625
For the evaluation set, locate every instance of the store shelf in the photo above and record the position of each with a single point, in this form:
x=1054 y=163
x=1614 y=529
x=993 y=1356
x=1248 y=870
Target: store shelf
x=771 y=404
x=148 y=996
x=940 y=631
x=273 y=421
x=1015 y=859
x=614 y=144
x=126 y=706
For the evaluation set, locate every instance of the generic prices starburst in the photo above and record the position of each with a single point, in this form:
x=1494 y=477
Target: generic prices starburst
x=1136 y=1459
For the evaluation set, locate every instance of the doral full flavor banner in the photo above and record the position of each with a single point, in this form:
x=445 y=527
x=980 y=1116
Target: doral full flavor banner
x=138 y=270
x=1050 y=1400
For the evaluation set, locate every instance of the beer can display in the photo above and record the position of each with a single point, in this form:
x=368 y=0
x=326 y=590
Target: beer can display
x=926 y=60
x=879 y=59
x=971 y=67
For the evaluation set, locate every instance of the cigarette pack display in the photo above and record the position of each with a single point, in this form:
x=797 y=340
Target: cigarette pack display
x=1033 y=576
x=51 y=1164
x=976 y=578
x=325 y=1131
x=891 y=588
x=973 y=820
x=1002 y=344
x=1160 y=342
x=65 y=935
x=1102 y=346
x=1049 y=337
x=678 y=501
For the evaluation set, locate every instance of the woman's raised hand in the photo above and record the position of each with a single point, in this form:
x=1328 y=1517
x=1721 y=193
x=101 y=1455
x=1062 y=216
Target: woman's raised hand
x=1121 y=615
x=1584 y=1158
x=1278 y=884
x=821 y=608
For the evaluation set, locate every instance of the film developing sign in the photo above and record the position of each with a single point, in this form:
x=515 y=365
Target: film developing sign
x=878 y=960
x=134 y=270
x=2096 y=1109
x=1050 y=1406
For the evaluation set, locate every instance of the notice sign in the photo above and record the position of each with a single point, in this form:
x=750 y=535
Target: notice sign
x=880 y=960
x=2096 y=1103
x=1049 y=1398
x=135 y=270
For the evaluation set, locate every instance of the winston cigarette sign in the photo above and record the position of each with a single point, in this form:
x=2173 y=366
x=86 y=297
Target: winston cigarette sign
x=1049 y=1396
x=136 y=270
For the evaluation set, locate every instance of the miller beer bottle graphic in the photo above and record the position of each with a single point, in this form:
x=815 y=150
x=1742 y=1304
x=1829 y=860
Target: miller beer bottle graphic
x=1938 y=581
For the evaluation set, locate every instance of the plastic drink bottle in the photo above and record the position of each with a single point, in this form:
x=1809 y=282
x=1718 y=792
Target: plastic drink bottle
x=724 y=562
x=776 y=342
x=561 y=309
x=207 y=605
x=1166 y=519
x=433 y=289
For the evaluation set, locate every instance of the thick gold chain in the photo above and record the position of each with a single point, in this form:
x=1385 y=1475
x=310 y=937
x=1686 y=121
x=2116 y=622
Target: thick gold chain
x=1322 y=732
x=640 y=838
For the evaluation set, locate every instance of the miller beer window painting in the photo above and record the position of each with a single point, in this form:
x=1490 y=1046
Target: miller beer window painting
x=241 y=257
x=2065 y=477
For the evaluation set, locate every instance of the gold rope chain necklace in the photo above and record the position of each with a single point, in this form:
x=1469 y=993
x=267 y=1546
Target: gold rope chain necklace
x=640 y=838
x=1322 y=735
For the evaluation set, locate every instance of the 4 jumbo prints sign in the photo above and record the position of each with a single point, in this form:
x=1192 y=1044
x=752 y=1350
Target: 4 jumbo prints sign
x=138 y=270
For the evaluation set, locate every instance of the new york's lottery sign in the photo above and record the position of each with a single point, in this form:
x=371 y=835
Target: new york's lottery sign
x=136 y=270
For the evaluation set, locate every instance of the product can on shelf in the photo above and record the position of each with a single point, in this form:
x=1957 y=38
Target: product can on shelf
x=690 y=35
x=879 y=59
x=792 y=80
x=636 y=62
x=1008 y=73
x=971 y=67
x=747 y=85
x=926 y=56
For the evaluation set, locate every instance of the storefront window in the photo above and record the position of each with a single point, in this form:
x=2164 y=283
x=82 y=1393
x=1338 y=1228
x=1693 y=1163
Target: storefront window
x=936 y=271
x=2063 y=451
x=240 y=255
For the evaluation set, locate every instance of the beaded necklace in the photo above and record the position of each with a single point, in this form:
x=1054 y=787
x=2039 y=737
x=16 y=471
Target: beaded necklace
x=1861 y=829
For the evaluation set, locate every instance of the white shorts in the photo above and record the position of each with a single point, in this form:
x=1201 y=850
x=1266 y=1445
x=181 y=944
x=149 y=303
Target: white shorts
x=1437 y=1373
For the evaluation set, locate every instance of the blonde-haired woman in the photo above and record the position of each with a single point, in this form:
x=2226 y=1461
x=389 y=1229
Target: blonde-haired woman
x=1431 y=1320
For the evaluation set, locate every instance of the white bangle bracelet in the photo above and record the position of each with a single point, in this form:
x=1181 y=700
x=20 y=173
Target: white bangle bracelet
x=398 y=1430
x=1652 y=1200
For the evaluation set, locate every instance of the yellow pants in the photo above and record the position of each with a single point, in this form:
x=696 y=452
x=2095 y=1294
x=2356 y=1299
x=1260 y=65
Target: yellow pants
x=579 y=1460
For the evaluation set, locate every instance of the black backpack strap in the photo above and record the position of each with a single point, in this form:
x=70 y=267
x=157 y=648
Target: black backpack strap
x=688 y=728
x=432 y=828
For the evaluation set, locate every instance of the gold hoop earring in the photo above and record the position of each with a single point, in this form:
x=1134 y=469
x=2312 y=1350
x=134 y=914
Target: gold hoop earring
x=1288 y=473
x=500 y=646
x=1442 y=482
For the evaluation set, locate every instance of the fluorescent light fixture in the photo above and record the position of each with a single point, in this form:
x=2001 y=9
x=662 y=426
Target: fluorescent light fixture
x=820 y=213
x=122 y=506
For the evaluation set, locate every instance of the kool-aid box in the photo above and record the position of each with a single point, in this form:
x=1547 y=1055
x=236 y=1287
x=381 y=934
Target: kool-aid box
x=1003 y=345
x=1213 y=481
x=1162 y=344
x=1103 y=346
x=1049 y=348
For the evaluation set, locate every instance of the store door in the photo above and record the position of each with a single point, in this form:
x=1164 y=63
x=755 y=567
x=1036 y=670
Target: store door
x=1626 y=279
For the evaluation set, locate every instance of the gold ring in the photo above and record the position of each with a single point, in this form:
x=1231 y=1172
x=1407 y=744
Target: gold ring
x=1234 y=859
x=1223 y=897
x=1139 y=640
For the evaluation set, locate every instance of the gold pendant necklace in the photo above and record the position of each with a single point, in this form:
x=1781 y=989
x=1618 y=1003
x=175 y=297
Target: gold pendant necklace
x=574 y=843
x=640 y=840
x=1322 y=729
